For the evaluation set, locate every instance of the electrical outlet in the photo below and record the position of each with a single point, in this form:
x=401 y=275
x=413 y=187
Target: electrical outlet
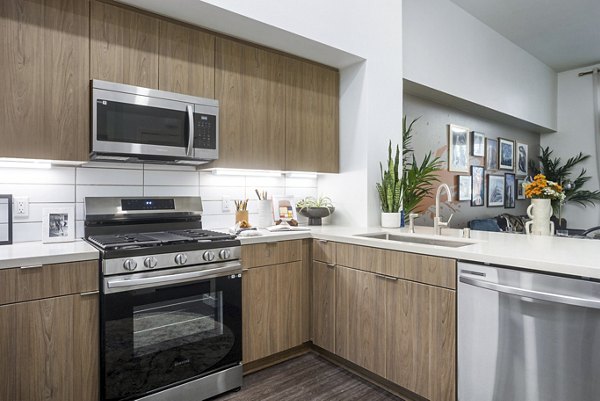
x=226 y=204
x=21 y=206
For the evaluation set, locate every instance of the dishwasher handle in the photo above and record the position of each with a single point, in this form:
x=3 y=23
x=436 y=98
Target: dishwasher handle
x=540 y=295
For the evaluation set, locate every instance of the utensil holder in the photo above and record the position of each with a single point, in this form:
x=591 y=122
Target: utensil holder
x=241 y=215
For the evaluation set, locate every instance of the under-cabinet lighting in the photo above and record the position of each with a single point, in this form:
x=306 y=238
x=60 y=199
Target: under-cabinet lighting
x=23 y=163
x=302 y=175
x=256 y=173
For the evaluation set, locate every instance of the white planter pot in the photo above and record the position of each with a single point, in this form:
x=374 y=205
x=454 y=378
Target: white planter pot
x=390 y=220
x=539 y=212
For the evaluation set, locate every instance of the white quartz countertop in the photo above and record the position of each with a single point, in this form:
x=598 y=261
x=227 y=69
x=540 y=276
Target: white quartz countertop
x=36 y=253
x=560 y=255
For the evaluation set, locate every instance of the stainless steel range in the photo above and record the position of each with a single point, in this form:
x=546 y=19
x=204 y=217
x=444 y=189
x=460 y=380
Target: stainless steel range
x=171 y=313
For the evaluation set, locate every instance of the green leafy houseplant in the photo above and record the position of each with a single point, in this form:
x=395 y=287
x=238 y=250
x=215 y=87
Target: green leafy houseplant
x=554 y=170
x=311 y=202
x=417 y=178
x=415 y=182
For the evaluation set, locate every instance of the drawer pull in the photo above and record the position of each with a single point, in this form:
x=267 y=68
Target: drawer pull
x=331 y=265
x=31 y=267
x=383 y=276
x=323 y=241
x=85 y=294
x=245 y=270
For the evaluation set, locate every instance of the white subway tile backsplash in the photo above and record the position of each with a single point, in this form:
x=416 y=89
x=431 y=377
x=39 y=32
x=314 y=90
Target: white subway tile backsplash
x=107 y=190
x=175 y=178
x=258 y=182
x=25 y=232
x=217 y=193
x=211 y=222
x=41 y=192
x=301 y=193
x=301 y=182
x=209 y=179
x=213 y=207
x=80 y=211
x=150 y=190
x=97 y=176
x=79 y=229
x=55 y=175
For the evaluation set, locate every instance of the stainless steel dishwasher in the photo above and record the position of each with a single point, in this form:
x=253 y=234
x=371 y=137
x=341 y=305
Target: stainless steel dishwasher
x=526 y=336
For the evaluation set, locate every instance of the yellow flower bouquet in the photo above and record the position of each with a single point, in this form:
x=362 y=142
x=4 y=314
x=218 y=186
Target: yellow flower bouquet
x=541 y=188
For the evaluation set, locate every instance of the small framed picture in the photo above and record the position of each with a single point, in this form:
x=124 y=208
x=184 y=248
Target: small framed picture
x=506 y=154
x=458 y=149
x=6 y=219
x=509 y=190
x=495 y=190
x=522 y=159
x=284 y=208
x=520 y=189
x=464 y=187
x=58 y=224
x=478 y=144
x=491 y=154
x=477 y=186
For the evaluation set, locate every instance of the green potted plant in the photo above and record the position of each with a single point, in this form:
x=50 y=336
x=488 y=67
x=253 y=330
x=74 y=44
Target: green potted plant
x=408 y=189
x=315 y=209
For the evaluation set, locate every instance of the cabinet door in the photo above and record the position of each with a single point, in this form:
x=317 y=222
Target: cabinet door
x=360 y=318
x=323 y=305
x=124 y=46
x=312 y=117
x=420 y=333
x=249 y=84
x=186 y=60
x=323 y=251
x=50 y=350
x=273 y=320
x=44 y=59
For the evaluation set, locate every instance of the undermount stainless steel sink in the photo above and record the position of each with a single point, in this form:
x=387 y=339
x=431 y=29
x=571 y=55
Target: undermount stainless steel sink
x=415 y=240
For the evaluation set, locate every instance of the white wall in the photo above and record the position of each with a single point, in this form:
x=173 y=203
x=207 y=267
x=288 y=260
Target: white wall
x=576 y=134
x=68 y=186
x=370 y=92
x=449 y=50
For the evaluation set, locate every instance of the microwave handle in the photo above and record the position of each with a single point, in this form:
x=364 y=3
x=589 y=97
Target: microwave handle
x=190 y=144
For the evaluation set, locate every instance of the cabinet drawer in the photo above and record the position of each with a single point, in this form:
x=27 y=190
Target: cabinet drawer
x=361 y=257
x=323 y=251
x=45 y=281
x=271 y=253
x=430 y=270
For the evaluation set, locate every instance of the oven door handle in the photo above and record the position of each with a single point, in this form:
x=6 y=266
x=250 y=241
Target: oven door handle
x=121 y=284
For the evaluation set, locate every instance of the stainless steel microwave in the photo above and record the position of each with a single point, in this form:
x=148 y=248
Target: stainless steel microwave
x=131 y=123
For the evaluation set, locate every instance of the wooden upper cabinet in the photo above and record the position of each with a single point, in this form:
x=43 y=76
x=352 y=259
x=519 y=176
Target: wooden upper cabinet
x=44 y=59
x=312 y=117
x=124 y=46
x=186 y=60
x=249 y=84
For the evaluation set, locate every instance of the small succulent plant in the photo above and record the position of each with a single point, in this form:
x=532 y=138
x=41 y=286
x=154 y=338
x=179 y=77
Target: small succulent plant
x=310 y=201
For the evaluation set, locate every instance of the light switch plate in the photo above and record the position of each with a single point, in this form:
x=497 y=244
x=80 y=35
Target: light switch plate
x=21 y=206
x=226 y=204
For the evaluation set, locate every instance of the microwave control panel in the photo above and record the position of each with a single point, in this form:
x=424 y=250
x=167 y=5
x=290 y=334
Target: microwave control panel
x=205 y=131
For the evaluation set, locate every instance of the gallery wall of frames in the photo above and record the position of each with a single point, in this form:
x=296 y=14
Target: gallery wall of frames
x=485 y=161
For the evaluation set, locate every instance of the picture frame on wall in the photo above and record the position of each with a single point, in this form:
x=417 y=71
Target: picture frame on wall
x=509 y=191
x=458 y=148
x=477 y=186
x=478 y=144
x=506 y=154
x=58 y=224
x=491 y=154
x=495 y=190
x=520 y=189
x=464 y=187
x=6 y=224
x=522 y=159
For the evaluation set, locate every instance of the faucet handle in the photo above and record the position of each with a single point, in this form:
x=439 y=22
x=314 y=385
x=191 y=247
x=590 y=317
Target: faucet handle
x=450 y=218
x=444 y=224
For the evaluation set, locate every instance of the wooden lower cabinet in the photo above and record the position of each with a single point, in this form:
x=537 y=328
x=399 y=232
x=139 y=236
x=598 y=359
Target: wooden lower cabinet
x=420 y=338
x=360 y=318
x=50 y=349
x=323 y=305
x=273 y=301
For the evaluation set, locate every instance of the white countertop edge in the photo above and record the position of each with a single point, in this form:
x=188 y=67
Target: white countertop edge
x=556 y=255
x=37 y=253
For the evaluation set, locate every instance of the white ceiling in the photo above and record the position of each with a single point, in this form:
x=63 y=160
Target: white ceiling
x=563 y=34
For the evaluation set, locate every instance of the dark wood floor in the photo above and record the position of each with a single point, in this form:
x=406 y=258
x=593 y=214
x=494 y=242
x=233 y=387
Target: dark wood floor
x=307 y=378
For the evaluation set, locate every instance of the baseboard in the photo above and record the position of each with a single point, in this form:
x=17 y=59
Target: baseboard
x=274 y=359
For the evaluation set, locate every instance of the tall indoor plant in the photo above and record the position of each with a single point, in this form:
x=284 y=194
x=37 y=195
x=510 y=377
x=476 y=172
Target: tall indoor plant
x=406 y=187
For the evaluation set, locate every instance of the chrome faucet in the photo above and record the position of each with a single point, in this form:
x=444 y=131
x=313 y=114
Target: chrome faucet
x=411 y=222
x=437 y=220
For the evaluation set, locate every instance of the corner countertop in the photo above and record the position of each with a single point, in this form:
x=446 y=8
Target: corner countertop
x=550 y=254
x=35 y=253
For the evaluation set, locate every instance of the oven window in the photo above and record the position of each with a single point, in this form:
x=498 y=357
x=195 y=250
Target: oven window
x=169 y=324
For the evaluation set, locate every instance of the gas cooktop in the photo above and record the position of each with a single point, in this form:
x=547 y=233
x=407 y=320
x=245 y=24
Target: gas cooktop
x=152 y=239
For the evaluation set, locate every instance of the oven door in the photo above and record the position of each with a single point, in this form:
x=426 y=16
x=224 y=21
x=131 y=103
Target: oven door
x=167 y=327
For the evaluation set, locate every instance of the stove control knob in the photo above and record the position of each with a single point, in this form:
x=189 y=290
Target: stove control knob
x=209 y=256
x=129 y=265
x=150 y=262
x=181 y=259
x=224 y=253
